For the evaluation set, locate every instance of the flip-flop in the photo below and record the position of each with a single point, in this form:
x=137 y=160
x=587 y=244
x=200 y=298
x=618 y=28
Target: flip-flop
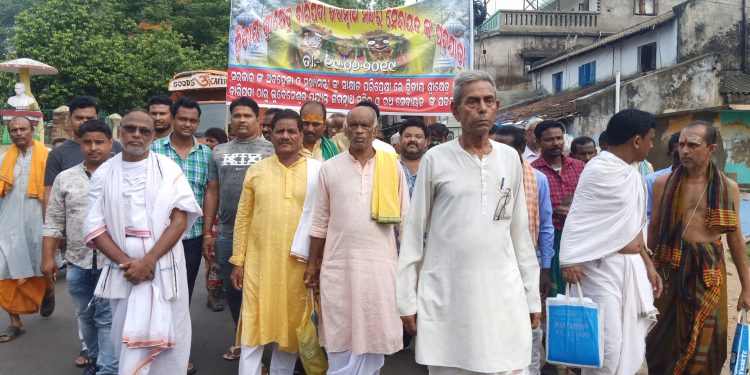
x=232 y=353
x=83 y=359
x=48 y=305
x=191 y=370
x=11 y=334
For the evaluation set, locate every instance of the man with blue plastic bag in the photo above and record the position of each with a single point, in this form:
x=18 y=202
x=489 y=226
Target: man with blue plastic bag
x=603 y=246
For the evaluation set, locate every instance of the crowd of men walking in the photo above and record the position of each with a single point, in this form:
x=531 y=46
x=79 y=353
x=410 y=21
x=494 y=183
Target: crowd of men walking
x=454 y=249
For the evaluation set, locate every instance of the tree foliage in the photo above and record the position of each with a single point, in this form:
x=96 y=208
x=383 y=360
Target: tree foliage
x=365 y=4
x=480 y=12
x=100 y=51
x=8 y=11
x=119 y=51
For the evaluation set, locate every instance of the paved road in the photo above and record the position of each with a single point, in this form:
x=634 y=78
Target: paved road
x=50 y=344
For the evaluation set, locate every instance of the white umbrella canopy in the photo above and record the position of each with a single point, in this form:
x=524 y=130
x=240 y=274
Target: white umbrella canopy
x=34 y=67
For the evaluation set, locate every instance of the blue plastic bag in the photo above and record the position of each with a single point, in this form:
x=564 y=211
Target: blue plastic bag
x=740 y=346
x=575 y=331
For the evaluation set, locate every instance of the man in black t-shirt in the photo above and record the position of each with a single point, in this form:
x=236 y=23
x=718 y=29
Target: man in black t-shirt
x=67 y=155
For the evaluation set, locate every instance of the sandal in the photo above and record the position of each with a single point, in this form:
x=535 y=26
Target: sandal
x=48 y=305
x=83 y=359
x=213 y=304
x=12 y=333
x=191 y=369
x=232 y=353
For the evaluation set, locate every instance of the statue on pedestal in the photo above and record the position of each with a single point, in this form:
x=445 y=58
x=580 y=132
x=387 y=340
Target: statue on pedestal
x=21 y=100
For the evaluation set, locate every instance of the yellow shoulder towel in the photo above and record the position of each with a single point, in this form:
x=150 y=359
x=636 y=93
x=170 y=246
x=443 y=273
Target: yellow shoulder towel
x=386 y=204
x=36 y=172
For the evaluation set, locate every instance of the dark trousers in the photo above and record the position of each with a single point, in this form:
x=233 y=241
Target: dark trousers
x=234 y=296
x=193 y=255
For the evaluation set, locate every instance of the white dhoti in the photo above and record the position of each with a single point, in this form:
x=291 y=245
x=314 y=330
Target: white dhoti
x=440 y=370
x=618 y=283
x=282 y=363
x=348 y=363
x=147 y=360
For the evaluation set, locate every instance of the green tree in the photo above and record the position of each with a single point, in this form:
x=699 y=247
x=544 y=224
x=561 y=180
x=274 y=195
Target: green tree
x=100 y=52
x=365 y=4
x=8 y=11
x=382 y=4
x=347 y=4
x=205 y=21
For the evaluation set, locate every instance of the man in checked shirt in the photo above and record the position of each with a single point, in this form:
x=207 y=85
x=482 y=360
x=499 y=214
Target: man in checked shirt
x=562 y=174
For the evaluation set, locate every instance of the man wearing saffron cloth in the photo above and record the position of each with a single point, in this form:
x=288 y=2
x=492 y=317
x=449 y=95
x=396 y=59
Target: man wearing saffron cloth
x=266 y=248
x=362 y=194
x=315 y=144
x=471 y=295
x=140 y=205
x=22 y=285
x=693 y=206
x=602 y=245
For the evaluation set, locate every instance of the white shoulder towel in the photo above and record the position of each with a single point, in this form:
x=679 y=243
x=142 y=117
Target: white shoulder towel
x=301 y=242
x=166 y=188
x=608 y=211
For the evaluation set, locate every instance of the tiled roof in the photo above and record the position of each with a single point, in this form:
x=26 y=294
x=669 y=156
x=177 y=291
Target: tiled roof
x=735 y=83
x=637 y=29
x=552 y=107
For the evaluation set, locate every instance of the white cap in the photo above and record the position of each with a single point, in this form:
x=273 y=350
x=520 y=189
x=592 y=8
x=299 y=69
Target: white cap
x=395 y=139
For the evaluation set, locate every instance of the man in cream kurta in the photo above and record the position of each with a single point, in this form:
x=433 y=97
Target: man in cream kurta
x=268 y=215
x=359 y=323
x=472 y=293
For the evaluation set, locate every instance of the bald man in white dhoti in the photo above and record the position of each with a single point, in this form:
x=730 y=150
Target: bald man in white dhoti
x=139 y=206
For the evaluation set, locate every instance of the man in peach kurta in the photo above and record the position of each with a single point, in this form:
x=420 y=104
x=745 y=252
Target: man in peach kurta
x=268 y=214
x=359 y=322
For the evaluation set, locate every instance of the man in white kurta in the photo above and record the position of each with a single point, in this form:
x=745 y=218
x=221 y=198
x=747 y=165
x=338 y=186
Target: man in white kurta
x=139 y=207
x=474 y=288
x=603 y=248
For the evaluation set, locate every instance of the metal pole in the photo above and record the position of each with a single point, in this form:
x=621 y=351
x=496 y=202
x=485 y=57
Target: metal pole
x=617 y=92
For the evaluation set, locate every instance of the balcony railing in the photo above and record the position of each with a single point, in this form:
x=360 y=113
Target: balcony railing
x=540 y=21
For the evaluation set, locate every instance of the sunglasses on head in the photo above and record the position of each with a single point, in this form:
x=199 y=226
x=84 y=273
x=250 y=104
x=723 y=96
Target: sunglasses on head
x=131 y=129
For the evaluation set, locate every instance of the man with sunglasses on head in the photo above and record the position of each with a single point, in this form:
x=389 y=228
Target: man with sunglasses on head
x=140 y=205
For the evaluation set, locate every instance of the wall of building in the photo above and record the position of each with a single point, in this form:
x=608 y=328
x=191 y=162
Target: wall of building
x=503 y=57
x=622 y=56
x=734 y=127
x=571 y=5
x=710 y=26
x=619 y=13
x=683 y=88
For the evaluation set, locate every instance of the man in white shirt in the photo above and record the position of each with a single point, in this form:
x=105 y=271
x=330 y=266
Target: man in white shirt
x=475 y=285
